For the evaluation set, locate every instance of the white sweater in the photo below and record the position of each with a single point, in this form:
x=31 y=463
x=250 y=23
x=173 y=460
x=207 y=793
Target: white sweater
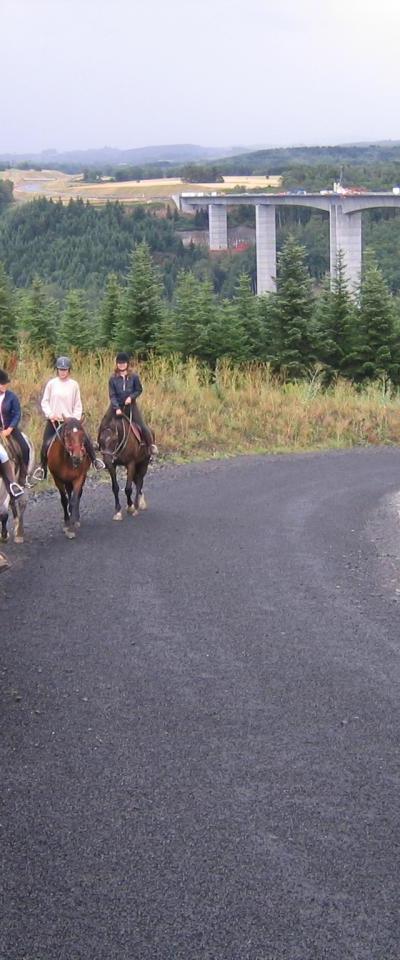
x=62 y=399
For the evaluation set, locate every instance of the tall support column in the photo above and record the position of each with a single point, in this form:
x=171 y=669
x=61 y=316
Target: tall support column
x=218 y=226
x=345 y=235
x=266 y=248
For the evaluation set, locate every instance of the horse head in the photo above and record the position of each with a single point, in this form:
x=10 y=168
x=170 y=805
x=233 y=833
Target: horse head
x=73 y=439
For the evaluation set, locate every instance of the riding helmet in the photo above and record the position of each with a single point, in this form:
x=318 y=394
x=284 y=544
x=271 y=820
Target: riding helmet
x=63 y=363
x=4 y=378
x=122 y=358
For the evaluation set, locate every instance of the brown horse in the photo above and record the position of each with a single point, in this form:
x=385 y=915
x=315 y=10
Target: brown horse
x=121 y=444
x=17 y=505
x=69 y=462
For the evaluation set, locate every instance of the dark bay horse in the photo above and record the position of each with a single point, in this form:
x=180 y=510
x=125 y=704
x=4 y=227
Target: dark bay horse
x=121 y=445
x=17 y=505
x=69 y=462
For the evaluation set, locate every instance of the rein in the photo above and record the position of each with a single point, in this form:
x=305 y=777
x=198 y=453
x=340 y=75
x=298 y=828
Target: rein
x=120 y=446
x=58 y=434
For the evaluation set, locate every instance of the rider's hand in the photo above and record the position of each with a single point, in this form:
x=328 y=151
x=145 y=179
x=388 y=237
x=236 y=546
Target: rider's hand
x=54 y=420
x=128 y=400
x=6 y=432
x=119 y=412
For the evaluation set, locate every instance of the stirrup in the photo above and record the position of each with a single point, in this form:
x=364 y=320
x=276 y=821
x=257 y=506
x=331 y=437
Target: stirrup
x=153 y=449
x=16 y=490
x=37 y=475
x=98 y=464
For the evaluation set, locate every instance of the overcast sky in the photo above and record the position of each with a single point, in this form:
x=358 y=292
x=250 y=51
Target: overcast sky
x=128 y=73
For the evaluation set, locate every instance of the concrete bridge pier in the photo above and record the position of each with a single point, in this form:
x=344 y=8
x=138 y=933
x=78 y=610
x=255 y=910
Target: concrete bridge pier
x=345 y=235
x=266 y=248
x=218 y=226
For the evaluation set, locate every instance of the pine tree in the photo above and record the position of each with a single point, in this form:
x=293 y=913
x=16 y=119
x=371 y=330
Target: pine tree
x=40 y=317
x=225 y=335
x=76 y=330
x=336 y=326
x=8 y=316
x=376 y=325
x=194 y=307
x=247 y=308
x=109 y=310
x=293 y=304
x=141 y=308
x=166 y=340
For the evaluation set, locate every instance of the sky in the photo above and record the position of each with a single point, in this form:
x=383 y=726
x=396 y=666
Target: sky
x=76 y=74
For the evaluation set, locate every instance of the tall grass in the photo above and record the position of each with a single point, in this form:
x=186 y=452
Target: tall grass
x=198 y=413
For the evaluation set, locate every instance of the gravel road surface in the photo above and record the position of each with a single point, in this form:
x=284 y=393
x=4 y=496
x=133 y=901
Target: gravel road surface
x=200 y=718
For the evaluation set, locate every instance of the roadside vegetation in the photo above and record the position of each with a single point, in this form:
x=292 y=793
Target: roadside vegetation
x=200 y=413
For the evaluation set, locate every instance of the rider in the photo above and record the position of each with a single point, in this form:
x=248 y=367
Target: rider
x=124 y=387
x=61 y=401
x=10 y=415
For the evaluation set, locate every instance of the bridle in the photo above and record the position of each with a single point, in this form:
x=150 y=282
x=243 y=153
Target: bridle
x=60 y=433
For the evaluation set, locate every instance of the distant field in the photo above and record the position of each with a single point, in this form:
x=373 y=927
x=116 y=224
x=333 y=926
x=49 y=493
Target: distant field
x=29 y=184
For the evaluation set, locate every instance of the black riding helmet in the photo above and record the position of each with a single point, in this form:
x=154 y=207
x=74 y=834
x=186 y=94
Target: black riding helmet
x=122 y=357
x=4 y=378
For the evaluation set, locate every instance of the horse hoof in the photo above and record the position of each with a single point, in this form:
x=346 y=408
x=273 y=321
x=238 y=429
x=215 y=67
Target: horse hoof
x=70 y=535
x=4 y=537
x=18 y=539
x=78 y=524
x=131 y=511
x=142 y=503
x=117 y=516
x=4 y=564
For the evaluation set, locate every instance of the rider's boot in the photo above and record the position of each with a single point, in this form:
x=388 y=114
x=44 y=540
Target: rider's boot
x=13 y=488
x=41 y=472
x=96 y=462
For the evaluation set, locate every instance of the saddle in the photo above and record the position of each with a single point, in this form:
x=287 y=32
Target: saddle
x=13 y=449
x=136 y=431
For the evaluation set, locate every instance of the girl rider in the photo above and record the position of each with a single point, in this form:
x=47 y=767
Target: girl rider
x=61 y=401
x=124 y=387
x=10 y=415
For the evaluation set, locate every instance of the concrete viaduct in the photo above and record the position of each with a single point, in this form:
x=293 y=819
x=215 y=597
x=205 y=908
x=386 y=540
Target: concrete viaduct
x=344 y=218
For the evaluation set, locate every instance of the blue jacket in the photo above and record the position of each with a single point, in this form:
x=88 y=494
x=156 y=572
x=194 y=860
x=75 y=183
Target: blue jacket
x=10 y=410
x=120 y=388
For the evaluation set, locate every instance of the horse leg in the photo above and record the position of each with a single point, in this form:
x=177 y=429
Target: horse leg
x=64 y=500
x=130 y=473
x=20 y=507
x=114 y=482
x=74 y=497
x=4 y=525
x=141 y=470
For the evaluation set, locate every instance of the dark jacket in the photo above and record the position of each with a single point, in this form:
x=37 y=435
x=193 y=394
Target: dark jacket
x=10 y=411
x=120 y=388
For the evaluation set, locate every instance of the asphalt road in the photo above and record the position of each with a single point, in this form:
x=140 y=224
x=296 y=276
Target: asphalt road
x=201 y=721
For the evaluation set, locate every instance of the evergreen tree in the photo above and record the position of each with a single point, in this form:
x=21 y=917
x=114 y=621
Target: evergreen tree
x=40 y=317
x=8 y=317
x=247 y=309
x=109 y=310
x=270 y=339
x=194 y=307
x=293 y=304
x=76 y=330
x=336 y=325
x=141 y=308
x=225 y=335
x=378 y=357
x=166 y=340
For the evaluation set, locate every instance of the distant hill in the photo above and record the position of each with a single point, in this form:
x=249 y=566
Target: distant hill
x=277 y=159
x=175 y=153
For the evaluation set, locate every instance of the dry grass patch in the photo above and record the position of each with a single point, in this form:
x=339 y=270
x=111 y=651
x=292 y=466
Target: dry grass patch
x=196 y=413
